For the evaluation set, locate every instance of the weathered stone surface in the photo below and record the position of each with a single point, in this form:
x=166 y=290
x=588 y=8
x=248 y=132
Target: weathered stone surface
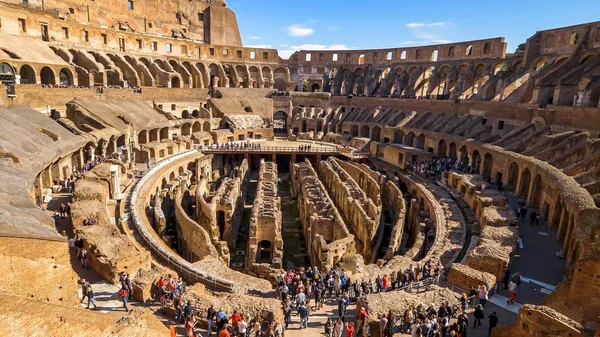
x=498 y=217
x=464 y=277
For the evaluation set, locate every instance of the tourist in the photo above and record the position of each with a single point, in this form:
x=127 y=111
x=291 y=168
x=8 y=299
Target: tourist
x=91 y=297
x=84 y=259
x=493 y=321
x=221 y=319
x=84 y=289
x=464 y=301
x=210 y=316
x=328 y=326
x=512 y=289
x=124 y=295
x=277 y=330
x=479 y=314
x=361 y=318
x=482 y=294
x=303 y=313
x=224 y=332
x=287 y=313
x=189 y=326
x=383 y=322
x=338 y=328
x=408 y=318
x=242 y=327
x=350 y=329
x=506 y=277
x=389 y=328
x=532 y=218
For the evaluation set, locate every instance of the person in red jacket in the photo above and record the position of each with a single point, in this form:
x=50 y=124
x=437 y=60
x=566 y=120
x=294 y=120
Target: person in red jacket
x=350 y=329
x=385 y=282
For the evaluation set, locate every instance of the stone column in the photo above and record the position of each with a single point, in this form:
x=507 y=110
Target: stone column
x=566 y=244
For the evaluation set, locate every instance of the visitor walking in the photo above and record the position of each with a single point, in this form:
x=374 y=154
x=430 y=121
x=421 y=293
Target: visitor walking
x=124 y=295
x=91 y=297
x=84 y=289
x=493 y=320
x=512 y=289
x=482 y=294
x=479 y=314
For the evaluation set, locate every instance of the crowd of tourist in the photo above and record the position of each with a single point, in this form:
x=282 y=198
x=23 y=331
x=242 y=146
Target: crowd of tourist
x=232 y=145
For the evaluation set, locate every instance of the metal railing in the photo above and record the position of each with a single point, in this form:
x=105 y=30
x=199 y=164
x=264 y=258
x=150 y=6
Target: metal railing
x=270 y=149
x=158 y=247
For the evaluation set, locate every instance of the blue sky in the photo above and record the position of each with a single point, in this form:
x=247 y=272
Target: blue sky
x=362 y=24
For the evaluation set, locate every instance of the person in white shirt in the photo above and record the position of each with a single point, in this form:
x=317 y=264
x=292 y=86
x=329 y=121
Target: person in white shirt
x=242 y=328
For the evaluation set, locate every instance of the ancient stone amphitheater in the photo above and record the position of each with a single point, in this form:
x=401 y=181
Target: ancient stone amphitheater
x=181 y=152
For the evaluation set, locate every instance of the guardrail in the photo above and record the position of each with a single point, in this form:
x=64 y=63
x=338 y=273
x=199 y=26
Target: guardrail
x=158 y=247
x=270 y=149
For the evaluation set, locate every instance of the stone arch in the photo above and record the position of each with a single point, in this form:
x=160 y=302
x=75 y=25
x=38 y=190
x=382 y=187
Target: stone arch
x=27 y=74
x=176 y=82
x=186 y=129
x=280 y=84
x=7 y=73
x=513 y=176
x=536 y=191
x=376 y=133
x=488 y=162
x=365 y=131
x=142 y=137
x=47 y=76
x=452 y=151
x=315 y=87
x=172 y=176
x=264 y=252
x=410 y=138
x=303 y=126
x=319 y=125
x=398 y=136
x=66 y=77
x=254 y=80
x=442 y=148
x=464 y=156
x=421 y=141
x=524 y=184
x=280 y=122
x=281 y=79
x=196 y=127
x=267 y=75
x=354 y=130
x=242 y=76
x=206 y=126
x=476 y=162
x=153 y=135
x=164 y=133
x=185 y=114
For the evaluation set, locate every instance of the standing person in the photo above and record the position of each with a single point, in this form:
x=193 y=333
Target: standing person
x=287 y=313
x=303 y=313
x=128 y=285
x=242 y=327
x=464 y=301
x=277 y=330
x=383 y=322
x=338 y=328
x=210 y=318
x=189 y=326
x=512 y=289
x=389 y=328
x=350 y=329
x=479 y=314
x=493 y=320
x=124 y=295
x=84 y=259
x=224 y=332
x=482 y=293
x=532 y=218
x=506 y=277
x=91 y=299
x=84 y=289
x=361 y=318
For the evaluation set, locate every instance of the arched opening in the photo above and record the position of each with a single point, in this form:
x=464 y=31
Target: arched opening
x=7 y=74
x=398 y=136
x=365 y=131
x=524 y=186
x=27 y=74
x=142 y=137
x=513 y=177
x=376 y=135
x=354 y=130
x=153 y=135
x=410 y=138
x=164 y=133
x=197 y=127
x=47 y=76
x=595 y=97
x=206 y=126
x=536 y=192
x=303 y=126
x=175 y=82
x=221 y=223
x=264 y=254
x=452 y=153
x=476 y=162
x=66 y=77
x=488 y=162
x=172 y=176
x=185 y=114
x=319 y=125
x=186 y=129
x=280 y=122
x=315 y=87
x=442 y=148
x=280 y=84
x=464 y=156
x=421 y=141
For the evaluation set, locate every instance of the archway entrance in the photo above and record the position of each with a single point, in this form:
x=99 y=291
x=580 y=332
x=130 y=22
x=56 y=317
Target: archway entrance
x=7 y=74
x=452 y=153
x=315 y=87
x=47 y=76
x=280 y=122
x=525 y=180
x=264 y=253
x=487 y=166
x=27 y=74
x=66 y=77
x=442 y=150
x=513 y=176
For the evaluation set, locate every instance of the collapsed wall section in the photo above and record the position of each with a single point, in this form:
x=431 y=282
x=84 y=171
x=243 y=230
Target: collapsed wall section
x=326 y=233
x=265 y=243
x=396 y=205
x=362 y=215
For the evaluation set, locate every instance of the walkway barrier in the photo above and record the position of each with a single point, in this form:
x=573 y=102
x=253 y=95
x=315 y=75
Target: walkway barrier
x=270 y=149
x=158 y=247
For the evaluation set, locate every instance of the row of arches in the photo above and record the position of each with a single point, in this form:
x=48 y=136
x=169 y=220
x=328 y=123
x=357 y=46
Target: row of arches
x=45 y=75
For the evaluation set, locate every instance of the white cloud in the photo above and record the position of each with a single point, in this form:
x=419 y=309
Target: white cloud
x=299 y=30
x=428 y=33
x=422 y=24
x=286 y=53
x=254 y=37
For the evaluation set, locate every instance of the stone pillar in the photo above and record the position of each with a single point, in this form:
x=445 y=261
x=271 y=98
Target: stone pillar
x=115 y=182
x=564 y=223
x=81 y=158
x=566 y=244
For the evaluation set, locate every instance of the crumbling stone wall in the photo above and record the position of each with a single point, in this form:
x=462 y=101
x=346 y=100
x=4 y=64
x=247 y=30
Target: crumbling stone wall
x=265 y=222
x=360 y=213
x=326 y=233
x=394 y=201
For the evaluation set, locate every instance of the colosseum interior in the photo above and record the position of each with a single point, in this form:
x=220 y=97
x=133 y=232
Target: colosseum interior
x=175 y=150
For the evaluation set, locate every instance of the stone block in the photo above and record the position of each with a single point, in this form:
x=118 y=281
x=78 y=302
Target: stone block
x=463 y=276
